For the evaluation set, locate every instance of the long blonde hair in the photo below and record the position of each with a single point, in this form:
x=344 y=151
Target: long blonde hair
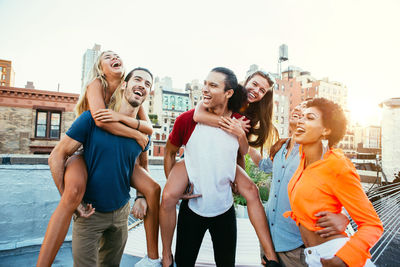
x=97 y=73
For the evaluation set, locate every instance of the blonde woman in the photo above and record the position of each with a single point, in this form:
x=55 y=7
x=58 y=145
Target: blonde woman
x=104 y=89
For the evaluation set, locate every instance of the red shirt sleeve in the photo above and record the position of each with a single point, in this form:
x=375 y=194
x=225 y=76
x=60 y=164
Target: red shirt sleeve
x=183 y=128
x=238 y=116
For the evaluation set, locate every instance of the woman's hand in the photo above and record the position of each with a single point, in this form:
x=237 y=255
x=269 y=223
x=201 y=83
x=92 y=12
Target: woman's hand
x=107 y=115
x=334 y=262
x=139 y=209
x=245 y=123
x=188 y=194
x=142 y=140
x=332 y=223
x=232 y=126
x=84 y=210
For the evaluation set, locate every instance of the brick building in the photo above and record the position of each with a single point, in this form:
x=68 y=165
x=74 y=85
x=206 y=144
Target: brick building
x=6 y=73
x=33 y=121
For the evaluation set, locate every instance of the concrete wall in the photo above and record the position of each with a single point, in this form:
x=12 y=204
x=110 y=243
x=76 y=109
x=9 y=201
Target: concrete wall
x=28 y=197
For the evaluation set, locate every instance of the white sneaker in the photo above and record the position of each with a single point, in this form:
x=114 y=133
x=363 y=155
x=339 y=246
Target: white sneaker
x=147 y=262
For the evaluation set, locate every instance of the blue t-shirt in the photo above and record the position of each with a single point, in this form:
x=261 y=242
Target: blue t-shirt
x=110 y=160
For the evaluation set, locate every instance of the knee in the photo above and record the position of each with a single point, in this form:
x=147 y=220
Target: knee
x=252 y=193
x=156 y=192
x=168 y=199
x=152 y=192
x=72 y=196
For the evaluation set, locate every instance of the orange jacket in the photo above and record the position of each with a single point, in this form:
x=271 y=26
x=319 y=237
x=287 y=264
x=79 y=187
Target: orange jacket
x=328 y=185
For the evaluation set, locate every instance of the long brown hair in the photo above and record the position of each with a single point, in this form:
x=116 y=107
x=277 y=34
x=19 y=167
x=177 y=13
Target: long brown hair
x=260 y=115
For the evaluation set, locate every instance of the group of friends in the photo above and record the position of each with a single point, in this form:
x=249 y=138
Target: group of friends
x=104 y=154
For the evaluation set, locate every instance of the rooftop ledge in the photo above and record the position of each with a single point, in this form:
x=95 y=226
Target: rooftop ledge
x=26 y=159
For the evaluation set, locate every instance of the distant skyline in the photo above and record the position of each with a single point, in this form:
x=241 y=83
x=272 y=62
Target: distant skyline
x=353 y=42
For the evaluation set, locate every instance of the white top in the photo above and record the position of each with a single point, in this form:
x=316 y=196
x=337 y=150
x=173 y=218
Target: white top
x=210 y=159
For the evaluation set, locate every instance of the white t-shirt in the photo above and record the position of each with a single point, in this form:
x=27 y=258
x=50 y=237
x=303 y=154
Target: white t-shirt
x=210 y=159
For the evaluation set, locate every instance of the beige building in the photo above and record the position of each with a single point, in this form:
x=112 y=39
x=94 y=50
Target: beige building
x=164 y=106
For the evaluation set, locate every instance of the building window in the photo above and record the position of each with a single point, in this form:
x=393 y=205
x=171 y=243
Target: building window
x=48 y=124
x=1 y=69
x=3 y=77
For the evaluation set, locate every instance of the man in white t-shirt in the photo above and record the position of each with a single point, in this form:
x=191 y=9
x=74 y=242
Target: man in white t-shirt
x=210 y=159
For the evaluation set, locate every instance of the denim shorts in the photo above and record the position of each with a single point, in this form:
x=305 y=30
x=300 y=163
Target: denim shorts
x=326 y=250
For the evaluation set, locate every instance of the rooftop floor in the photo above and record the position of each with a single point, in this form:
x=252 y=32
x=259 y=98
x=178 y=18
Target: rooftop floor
x=27 y=256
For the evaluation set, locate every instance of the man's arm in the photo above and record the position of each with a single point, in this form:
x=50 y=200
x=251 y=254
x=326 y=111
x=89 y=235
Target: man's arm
x=143 y=162
x=169 y=157
x=65 y=148
x=139 y=209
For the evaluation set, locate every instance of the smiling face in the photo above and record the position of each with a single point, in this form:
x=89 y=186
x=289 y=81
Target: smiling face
x=310 y=128
x=111 y=64
x=256 y=88
x=214 y=93
x=138 y=87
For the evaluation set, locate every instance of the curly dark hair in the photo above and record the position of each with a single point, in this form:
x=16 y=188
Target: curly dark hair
x=333 y=118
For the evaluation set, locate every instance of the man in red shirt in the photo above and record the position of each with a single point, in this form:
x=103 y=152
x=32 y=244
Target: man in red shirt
x=210 y=161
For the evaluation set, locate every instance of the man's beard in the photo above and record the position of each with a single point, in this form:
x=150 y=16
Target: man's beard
x=134 y=103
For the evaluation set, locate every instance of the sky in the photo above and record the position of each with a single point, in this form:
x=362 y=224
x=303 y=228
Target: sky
x=351 y=41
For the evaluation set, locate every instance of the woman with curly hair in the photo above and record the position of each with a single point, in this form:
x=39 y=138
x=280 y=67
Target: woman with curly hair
x=326 y=180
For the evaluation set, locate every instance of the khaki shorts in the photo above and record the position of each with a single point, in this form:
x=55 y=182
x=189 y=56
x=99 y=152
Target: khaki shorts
x=293 y=258
x=100 y=239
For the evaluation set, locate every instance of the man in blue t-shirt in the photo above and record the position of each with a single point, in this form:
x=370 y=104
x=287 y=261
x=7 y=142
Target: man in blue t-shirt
x=110 y=159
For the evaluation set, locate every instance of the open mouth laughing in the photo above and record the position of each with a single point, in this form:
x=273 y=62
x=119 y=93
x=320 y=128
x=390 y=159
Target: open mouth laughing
x=300 y=130
x=116 y=64
x=138 y=92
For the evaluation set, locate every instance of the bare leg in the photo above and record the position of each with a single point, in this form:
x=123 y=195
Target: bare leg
x=257 y=216
x=173 y=190
x=75 y=178
x=142 y=181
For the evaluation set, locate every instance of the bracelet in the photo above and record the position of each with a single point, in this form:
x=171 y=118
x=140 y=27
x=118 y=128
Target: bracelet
x=137 y=197
x=138 y=124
